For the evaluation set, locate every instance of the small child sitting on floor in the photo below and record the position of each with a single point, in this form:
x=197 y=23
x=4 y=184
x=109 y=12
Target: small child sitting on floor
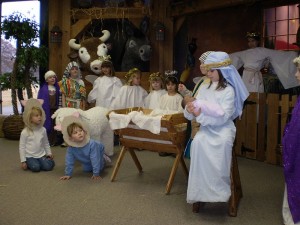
x=34 y=148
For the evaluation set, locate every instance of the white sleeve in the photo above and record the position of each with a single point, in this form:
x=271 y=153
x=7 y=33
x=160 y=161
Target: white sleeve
x=93 y=93
x=237 y=61
x=22 y=145
x=45 y=142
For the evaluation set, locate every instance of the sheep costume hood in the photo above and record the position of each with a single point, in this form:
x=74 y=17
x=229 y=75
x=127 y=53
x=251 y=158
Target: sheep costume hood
x=64 y=126
x=222 y=62
x=28 y=105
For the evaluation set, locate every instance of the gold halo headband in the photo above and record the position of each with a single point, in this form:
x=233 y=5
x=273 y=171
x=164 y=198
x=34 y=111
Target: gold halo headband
x=131 y=72
x=155 y=76
x=209 y=66
x=296 y=61
x=252 y=34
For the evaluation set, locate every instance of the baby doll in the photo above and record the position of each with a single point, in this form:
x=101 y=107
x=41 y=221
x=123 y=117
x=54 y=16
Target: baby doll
x=106 y=87
x=157 y=89
x=34 y=148
x=131 y=94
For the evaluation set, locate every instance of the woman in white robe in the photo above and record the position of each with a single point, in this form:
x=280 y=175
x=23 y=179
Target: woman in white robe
x=211 y=148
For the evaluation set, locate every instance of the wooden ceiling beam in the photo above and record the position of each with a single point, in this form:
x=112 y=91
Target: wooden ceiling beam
x=109 y=13
x=194 y=6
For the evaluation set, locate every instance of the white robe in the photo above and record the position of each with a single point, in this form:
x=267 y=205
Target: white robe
x=152 y=100
x=168 y=102
x=286 y=212
x=105 y=89
x=254 y=59
x=129 y=96
x=211 y=149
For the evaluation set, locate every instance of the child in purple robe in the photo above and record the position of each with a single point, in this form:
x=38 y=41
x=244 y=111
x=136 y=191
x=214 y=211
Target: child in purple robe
x=50 y=93
x=291 y=163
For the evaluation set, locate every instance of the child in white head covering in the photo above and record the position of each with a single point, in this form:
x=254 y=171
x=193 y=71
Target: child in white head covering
x=211 y=148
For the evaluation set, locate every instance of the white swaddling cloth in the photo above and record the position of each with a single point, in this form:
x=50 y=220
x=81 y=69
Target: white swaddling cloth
x=208 y=108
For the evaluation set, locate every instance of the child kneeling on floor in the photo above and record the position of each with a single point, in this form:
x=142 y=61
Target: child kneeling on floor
x=81 y=148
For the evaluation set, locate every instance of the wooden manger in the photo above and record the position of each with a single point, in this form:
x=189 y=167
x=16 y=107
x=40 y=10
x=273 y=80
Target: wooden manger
x=171 y=139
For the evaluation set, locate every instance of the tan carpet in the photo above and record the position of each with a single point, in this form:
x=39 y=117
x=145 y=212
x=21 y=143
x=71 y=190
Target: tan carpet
x=28 y=198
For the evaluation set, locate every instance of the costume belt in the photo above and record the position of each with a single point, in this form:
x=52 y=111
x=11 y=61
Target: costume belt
x=255 y=73
x=77 y=101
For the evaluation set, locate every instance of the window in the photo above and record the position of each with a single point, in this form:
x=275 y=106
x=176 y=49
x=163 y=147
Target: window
x=280 y=27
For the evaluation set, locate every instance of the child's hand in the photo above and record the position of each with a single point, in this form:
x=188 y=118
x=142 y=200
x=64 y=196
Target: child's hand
x=181 y=87
x=24 y=165
x=50 y=156
x=65 y=178
x=96 y=177
x=190 y=107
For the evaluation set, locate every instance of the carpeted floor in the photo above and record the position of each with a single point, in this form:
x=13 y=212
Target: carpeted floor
x=28 y=198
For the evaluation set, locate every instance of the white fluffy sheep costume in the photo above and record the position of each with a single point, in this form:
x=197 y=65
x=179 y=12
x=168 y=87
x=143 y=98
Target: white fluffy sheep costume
x=97 y=122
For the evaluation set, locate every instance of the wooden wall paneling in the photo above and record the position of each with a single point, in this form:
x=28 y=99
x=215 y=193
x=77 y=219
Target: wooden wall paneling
x=54 y=48
x=272 y=130
x=261 y=130
x=251 y=126
x=162 y=53
x=79 y=27
x=66 y=27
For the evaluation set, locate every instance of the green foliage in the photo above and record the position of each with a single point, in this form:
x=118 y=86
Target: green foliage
x=26 y=32
x=28 y=57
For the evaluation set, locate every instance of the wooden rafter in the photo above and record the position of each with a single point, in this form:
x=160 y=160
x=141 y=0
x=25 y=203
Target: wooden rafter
x=109 y=13
x=194 y=6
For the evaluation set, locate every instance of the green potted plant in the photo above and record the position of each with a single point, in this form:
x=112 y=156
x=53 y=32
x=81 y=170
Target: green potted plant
x=27 y=59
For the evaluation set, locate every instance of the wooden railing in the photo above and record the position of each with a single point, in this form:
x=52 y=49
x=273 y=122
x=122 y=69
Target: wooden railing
x=260 y=130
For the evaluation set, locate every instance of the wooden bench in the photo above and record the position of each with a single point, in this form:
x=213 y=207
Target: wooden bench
x=171 y=139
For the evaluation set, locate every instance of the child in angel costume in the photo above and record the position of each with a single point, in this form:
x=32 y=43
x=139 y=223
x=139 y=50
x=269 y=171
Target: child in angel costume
x=172 y=99
x=106 y=87
x=131 y=94
x=157 y=89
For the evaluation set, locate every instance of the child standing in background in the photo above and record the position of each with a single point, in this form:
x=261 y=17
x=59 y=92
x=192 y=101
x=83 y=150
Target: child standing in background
x=172 y=99
x=81 y=148
x=72 y=87
x=50 y=93
x=131 y=94
x=34 y=148
x=106 y=87
x=157 y=89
